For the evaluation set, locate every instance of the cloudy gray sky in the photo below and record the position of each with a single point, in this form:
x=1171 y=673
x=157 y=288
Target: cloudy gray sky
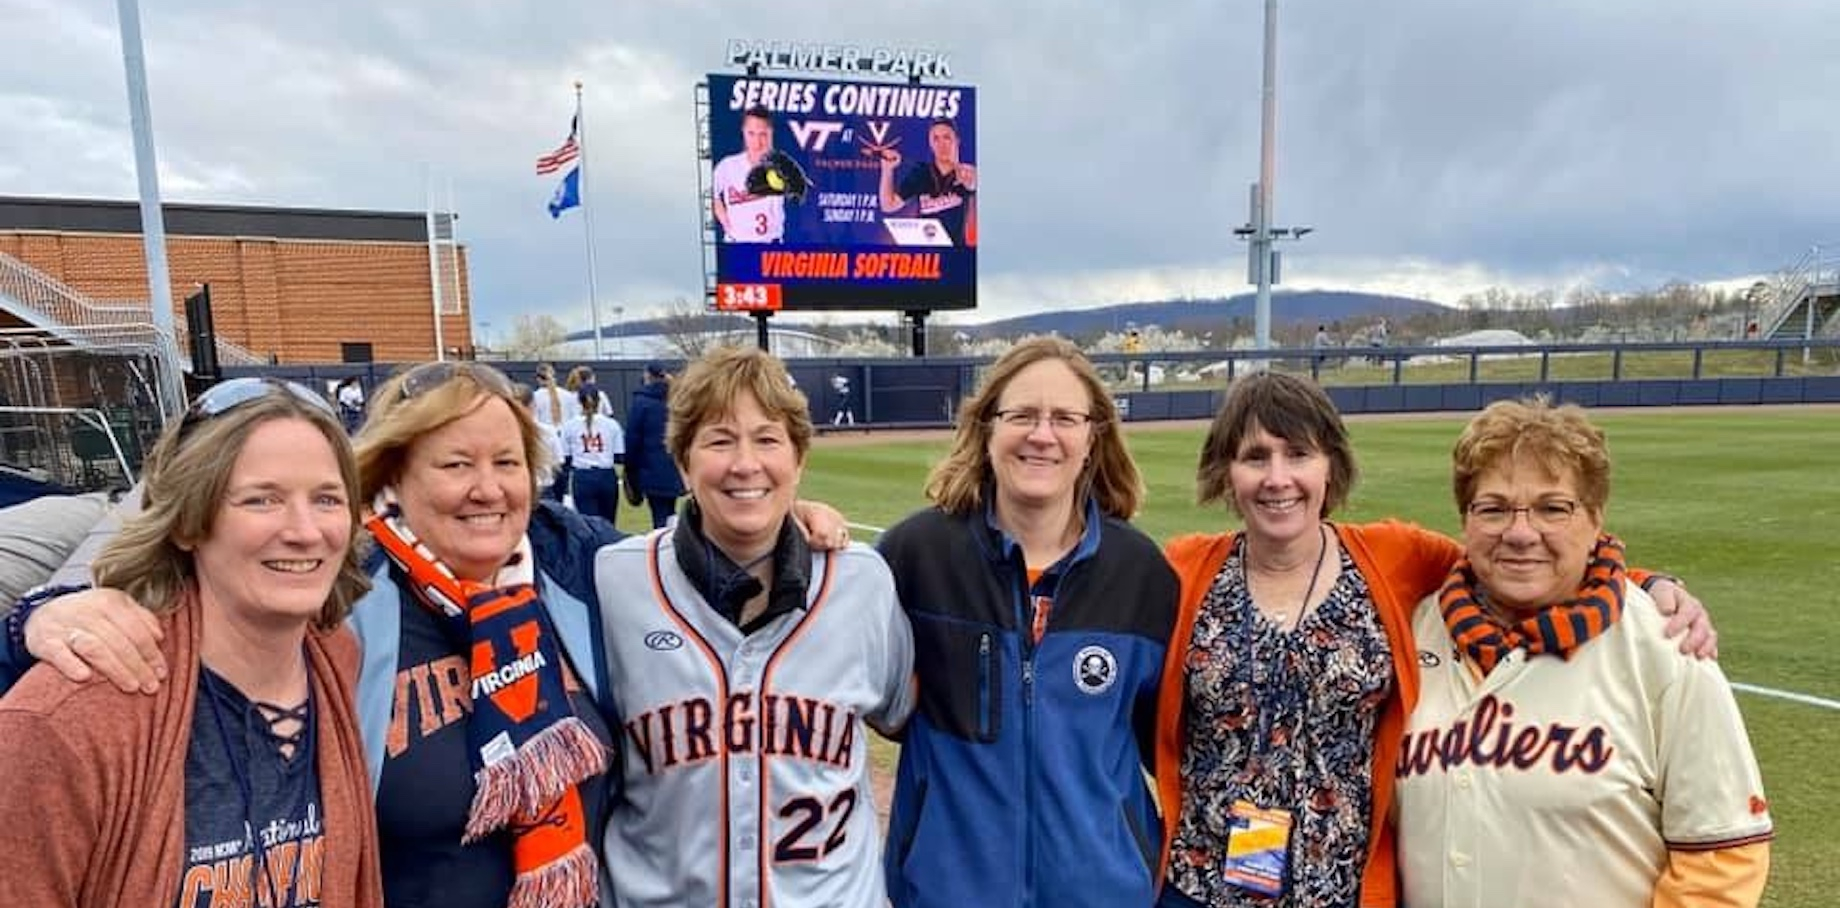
x=1436 y=146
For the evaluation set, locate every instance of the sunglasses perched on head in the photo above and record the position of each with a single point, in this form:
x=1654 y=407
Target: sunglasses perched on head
x=428 y=376
x=225 y=396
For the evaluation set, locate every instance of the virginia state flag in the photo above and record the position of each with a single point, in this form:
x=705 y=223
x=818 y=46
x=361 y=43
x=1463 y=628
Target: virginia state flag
x=567 y=195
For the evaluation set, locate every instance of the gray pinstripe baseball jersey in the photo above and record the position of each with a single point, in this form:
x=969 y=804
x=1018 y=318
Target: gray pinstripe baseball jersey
x=745 y=775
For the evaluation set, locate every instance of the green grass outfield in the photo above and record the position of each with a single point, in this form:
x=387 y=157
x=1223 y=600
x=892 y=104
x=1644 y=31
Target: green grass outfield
x=1742 y=503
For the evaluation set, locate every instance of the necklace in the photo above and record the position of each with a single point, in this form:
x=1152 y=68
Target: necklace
x=1283 y=619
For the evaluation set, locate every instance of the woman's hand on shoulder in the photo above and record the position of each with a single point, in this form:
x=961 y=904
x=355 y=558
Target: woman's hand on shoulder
x=824 y=526
x=1687 y=618
x=99 y=631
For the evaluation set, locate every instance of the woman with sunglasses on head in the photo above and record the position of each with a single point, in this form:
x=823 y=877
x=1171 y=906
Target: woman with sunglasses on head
x=483 y=694
x=1563 y=753
x=1293 y=666
x=244 y=777
x=1039 y=618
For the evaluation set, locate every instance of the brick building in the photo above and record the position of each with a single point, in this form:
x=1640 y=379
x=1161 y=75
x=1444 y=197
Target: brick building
x=298 y=285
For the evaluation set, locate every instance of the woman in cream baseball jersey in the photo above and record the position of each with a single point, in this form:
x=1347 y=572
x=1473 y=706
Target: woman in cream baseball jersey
x=1561 y=751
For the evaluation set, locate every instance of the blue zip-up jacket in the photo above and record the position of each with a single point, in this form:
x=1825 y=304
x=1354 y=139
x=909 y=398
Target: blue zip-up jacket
x=1021 y=780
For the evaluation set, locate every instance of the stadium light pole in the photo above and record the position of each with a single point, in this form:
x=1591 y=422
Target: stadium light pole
x=153 y=221
x=1261 y=258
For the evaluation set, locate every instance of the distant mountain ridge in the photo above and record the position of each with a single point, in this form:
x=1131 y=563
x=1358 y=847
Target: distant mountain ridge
x=1309 y=307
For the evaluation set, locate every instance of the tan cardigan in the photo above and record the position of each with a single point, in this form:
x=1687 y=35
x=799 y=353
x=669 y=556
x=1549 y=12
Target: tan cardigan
x=92 y=782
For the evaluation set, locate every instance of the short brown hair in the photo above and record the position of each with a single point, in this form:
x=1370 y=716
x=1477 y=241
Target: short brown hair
x=1289 y=407
x=709 y=387
x=1558 y=438
x=956 y=484
x=184 y=481
x=397 y=420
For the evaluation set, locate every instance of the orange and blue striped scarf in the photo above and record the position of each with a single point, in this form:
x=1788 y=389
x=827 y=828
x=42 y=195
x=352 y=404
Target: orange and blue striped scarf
x=529 y=750
x=1559 y=629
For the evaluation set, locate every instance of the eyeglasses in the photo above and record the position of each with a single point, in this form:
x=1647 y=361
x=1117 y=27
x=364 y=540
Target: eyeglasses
x=1495 y=517
x=225 y=396
x=428 y=376
x=1027 y=418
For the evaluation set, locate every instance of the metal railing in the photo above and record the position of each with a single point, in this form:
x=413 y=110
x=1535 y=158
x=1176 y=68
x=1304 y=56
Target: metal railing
x=77 y=448
x=1818 y=270
x=61 y=306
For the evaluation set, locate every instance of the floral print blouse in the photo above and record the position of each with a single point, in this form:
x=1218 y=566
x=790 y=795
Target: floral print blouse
x=1284 y=719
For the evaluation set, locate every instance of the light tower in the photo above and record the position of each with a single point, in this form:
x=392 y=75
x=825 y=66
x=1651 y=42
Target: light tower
x=1261 y=257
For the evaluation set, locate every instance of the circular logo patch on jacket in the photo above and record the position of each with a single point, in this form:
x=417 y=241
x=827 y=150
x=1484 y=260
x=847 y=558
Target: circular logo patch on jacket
x=1094 y=669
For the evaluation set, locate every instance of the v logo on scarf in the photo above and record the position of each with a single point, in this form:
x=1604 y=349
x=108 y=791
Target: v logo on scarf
x=511 y=683
x=529 y=751
x=1559 y=629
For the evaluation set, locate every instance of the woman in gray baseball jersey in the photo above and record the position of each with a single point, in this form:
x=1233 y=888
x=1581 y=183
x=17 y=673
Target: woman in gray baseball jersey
x=747 y=669
x=1561 y=751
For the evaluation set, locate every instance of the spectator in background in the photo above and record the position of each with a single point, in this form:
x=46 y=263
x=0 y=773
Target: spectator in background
x=1376 y=338
x=651 y=474
x=548 y=404
x=1321 y=343
x=841 y=411
x=593 y=444
x=583 y=376
x=351 y=403
x=552 y=439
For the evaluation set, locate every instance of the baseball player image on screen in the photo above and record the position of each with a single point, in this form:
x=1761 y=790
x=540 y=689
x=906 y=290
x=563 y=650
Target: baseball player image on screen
x=944 y=189
x=747 y=217
x=747 y=691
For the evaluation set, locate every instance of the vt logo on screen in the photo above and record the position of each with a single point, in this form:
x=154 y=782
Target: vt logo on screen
x=814 y=134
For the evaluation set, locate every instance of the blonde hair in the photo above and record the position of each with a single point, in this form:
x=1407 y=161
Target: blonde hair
x=956 y=484
x=1558 y=439
x=709 y=387
x=546 y=376
x=397 y=421
x=184 y=481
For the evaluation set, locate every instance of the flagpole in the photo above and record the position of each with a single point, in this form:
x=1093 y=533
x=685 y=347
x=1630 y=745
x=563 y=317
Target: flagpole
x=587 y=218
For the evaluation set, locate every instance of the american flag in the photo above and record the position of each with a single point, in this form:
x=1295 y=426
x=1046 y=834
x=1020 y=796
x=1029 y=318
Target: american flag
x=568 y=151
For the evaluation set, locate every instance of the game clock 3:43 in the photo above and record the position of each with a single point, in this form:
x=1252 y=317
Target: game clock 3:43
x=748 y=298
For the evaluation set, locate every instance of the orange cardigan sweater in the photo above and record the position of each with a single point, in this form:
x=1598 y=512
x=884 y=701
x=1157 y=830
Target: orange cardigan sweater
x=1402 y=563
x=92 y=809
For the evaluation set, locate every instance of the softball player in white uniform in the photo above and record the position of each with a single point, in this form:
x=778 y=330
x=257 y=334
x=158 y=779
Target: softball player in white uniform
x=751 y=218
x=745 y=773
x=1558 y=781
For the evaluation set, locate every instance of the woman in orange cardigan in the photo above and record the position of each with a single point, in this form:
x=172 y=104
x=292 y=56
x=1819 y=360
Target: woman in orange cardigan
x=242 y=780
x=1292 y=667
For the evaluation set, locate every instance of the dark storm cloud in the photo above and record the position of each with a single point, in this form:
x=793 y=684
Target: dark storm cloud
x=1640 y=140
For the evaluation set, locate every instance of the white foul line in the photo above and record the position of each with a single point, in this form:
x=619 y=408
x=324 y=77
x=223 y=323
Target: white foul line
x=1822 y=702
x=1791 y=696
